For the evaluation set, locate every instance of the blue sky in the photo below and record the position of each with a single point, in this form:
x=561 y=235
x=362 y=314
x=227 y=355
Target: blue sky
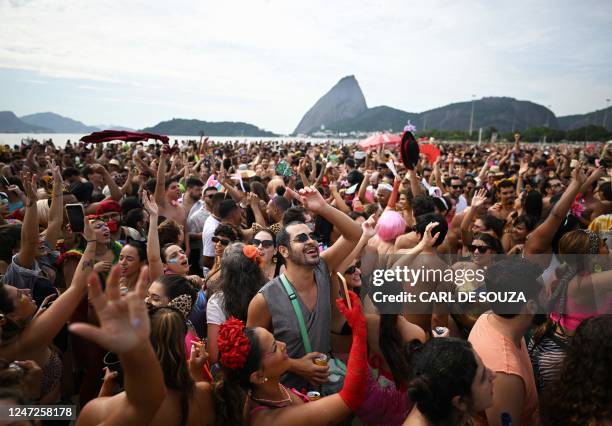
x=136 y=63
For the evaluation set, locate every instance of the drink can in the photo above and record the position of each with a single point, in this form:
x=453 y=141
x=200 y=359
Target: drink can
x=313 y=395
x=321 y=360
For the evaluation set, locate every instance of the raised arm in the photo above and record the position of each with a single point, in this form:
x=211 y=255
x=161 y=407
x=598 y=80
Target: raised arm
x=124 y=329
x=45 y=326
x=156 y=268
x=349 y=229
x=540 y=240
x=339 y=202
x=115 y=191
x=466 y=224
x=56 y=216
x=361 y=195
x=160 y=184
x=29 y=228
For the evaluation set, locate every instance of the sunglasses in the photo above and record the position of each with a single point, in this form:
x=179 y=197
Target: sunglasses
x=303 y=237
x=479 y=249
x=457 y=186
x=352 y=269
x=223 y=241
x=265 y=243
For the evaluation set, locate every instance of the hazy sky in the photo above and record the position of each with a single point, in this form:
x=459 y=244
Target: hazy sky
x=136 y=63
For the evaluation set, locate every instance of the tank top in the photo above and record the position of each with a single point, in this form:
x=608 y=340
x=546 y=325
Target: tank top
x=286 y=326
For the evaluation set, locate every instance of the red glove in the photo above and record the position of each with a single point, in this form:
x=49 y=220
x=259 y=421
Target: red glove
x=354 y=389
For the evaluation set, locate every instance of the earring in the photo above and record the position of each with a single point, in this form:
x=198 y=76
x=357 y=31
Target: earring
x=2 y=319
x=265 y=379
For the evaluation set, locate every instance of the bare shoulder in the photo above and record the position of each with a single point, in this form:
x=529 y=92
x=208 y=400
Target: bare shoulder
x=258 y=314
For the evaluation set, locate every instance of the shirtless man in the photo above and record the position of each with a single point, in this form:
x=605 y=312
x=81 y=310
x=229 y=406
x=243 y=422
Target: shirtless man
x=506 y=194
x=167 y=195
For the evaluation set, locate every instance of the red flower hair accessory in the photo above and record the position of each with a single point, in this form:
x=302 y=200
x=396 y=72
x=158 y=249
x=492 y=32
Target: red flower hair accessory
x=233 y=344
x=251 y=252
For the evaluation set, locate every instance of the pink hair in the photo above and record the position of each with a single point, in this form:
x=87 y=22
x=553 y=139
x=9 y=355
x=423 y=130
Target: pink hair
x=390 y=225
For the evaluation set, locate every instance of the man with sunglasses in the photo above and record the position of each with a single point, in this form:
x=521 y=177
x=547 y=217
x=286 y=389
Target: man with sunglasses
x=308 y=275
x=196 y=219
x=456 y=192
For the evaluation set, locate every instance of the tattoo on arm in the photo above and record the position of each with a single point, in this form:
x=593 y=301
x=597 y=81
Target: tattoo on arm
x=88 y=264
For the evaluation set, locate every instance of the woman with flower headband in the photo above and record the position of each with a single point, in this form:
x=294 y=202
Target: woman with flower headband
x=253 y=362
x=241 y=279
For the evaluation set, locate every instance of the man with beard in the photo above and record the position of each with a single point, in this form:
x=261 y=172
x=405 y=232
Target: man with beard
x=456 y=193
x=308 y=275
x=498 y=338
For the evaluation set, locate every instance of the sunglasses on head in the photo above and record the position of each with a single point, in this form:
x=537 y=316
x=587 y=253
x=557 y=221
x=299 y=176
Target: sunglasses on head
x=352 y=269
x=304 y=237
x=479 y=249
x=223 y=241
x=264 y=243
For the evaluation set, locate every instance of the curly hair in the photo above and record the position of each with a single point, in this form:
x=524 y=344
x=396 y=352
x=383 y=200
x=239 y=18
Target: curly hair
x=581 y=394
x=241 y=279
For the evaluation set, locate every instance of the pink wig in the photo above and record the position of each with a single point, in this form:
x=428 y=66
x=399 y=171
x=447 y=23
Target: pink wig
x=390 y=225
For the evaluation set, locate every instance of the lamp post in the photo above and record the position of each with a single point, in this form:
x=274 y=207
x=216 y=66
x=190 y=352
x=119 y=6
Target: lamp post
x=472 y=116
x=605 y=119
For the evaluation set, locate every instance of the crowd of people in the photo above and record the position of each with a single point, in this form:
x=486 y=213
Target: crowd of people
x=231 y=283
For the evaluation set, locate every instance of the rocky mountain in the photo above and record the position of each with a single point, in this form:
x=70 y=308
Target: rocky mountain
x=10 y=123
x=505 y=114
x=380 y=118
x=595 y=118
x=344 y=101
x=57 y=123
x=183 y=127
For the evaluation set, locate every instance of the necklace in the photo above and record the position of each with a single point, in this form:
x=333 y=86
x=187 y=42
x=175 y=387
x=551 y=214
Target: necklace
x=279 y=403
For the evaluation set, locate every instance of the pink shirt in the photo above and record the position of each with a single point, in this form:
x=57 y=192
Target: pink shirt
x=501 y=355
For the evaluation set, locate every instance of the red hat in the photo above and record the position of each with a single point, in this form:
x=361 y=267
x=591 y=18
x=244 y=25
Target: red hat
x=108 y=206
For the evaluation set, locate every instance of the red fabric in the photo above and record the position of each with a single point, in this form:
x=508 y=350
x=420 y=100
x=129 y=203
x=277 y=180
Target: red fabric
x=108 y=206
x=233 y=344
x=353 y=391
x=120 y=135
x=430 y=151
x=394 y=193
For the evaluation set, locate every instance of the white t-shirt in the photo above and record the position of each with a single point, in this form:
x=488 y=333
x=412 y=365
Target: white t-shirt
x=215 y=313
x=210 y=226
x=462 y=204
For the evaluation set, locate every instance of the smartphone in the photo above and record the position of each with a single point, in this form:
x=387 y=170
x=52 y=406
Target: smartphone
x=344 y=290
x=76 y=217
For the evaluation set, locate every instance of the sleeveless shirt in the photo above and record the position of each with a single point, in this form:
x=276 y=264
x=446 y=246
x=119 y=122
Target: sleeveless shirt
x=286 y=326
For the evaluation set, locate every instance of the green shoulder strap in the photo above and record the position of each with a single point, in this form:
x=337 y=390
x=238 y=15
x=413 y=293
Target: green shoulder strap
x=298 y=312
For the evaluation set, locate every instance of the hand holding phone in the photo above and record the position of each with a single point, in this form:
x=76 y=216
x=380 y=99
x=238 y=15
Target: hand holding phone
x=76 y=217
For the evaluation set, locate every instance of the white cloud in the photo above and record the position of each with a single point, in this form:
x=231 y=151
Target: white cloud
x=267 y=61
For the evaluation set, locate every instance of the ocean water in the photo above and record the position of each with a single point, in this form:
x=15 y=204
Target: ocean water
x=60 y=139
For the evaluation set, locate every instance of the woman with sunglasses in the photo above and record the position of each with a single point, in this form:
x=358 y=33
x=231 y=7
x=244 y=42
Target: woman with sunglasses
x=272 y=265
x=484 y=247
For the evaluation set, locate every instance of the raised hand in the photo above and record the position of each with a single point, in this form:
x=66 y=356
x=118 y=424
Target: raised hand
x=124 y=321
x=428 y=239
x=479 y=198
x=354 y=316
x=578 y=174
x=312 y=199
x=149 y=204
x=523 y=169
x=29 y=188
x=368 y=227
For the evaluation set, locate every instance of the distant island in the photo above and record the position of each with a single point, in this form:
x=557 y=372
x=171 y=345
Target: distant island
x=183 y=127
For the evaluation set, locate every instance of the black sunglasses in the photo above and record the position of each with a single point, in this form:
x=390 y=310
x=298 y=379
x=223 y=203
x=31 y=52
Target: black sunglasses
x=304 y=237
x=264 y=243
x=479 y=249
x=352 y=269
x=457 y=186
x=223 y=241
